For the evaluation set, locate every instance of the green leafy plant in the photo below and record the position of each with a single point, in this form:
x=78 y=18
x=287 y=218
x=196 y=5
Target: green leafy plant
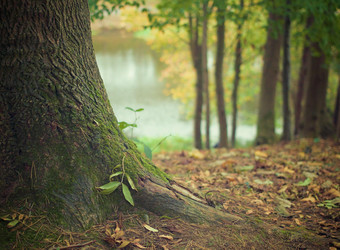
x=123 y=125
x=110 y=187
x=330 y=203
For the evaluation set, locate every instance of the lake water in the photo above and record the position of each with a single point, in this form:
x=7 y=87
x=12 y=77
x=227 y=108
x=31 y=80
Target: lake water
x=131 y=73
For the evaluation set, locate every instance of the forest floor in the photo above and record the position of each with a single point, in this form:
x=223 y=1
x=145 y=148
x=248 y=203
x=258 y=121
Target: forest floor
x=289 y=194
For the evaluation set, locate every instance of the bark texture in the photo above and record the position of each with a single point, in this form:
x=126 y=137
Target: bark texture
x=221 y=113
x=237 y=66
x=286 y=135
x=196 y=55
x=314 y=111
x=205 y=74
x=266 y=114
x=303 y=73
x=59 y=136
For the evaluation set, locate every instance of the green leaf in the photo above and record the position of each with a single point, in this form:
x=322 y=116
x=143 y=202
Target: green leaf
x=115 y=174
x=108 y=188
x=128 y=108
x=139 y=110
x=266 y=182
x=132 y=185
x=123 y=125
x=13 y=223
x=147 y=151
x=127 y=194
x=304 y=183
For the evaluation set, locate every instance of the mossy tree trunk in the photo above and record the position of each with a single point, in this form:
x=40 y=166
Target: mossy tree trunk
x=59 y=136
x=270 y=71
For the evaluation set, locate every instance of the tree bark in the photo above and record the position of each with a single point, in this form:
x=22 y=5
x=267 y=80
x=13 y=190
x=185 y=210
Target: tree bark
x=286 y=135
x=205 y=74
x=314 y=111
x=59 y=136
x=222 y=119
x=337 y=112
x=196 y=55
x=303 y=73
x=266 y=114
x=237 y=66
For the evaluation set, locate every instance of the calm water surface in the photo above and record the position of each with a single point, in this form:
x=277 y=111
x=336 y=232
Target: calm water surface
x=131 y=72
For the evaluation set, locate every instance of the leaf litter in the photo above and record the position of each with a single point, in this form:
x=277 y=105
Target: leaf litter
x=289 y=188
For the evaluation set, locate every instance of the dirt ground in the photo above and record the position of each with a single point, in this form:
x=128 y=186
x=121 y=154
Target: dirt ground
x=288 y=194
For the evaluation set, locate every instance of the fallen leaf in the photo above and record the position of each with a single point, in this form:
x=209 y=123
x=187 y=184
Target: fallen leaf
x=283 y=189
x=124 y=243
x=196 y=154
x=139 y=245
x=288 y=170
x=333 y=192
x=297 y=222
x=304 y=183
x=309 y=198
x=250 y=211
x=168 y=237
x=151 y=229
x=260 y=154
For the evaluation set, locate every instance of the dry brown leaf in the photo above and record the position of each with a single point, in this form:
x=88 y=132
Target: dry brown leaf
x=257 y=202
x=250 y=211
x=333 y=192
x=297 y=222
x=261 y=154
x=288 y=170
x=283 y=189
x=309 y=198
x=124 y=243
x=168 y=237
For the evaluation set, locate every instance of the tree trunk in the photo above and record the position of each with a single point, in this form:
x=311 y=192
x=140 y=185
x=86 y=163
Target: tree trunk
x=286 y=135
x=222 y=119
x=301 y=87
x=59 y=136
x=266 y=113
x=302 y=81
x=336 y=117
x=205 y=75
x=337 y=112
x=196 y=55
x=238 y=63
x=314 y=110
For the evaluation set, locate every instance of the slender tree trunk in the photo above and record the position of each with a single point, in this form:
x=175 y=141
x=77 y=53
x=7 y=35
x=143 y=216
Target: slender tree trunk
x=336 y=117
x=302 y=81
x=286 y=136
x=314 y=110
x=337 y=112
x=205 y=75
x=266 y=114
x=222 y=119
x=196 y=55
x=238 y=63
x=59 y=136
x=301 y=87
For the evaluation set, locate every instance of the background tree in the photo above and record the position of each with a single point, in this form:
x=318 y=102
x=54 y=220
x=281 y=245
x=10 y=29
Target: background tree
x=266 y=109
x=324 y=40
x=237 y=67
x=220 y=101
x=60 y=139
x=286 y=135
